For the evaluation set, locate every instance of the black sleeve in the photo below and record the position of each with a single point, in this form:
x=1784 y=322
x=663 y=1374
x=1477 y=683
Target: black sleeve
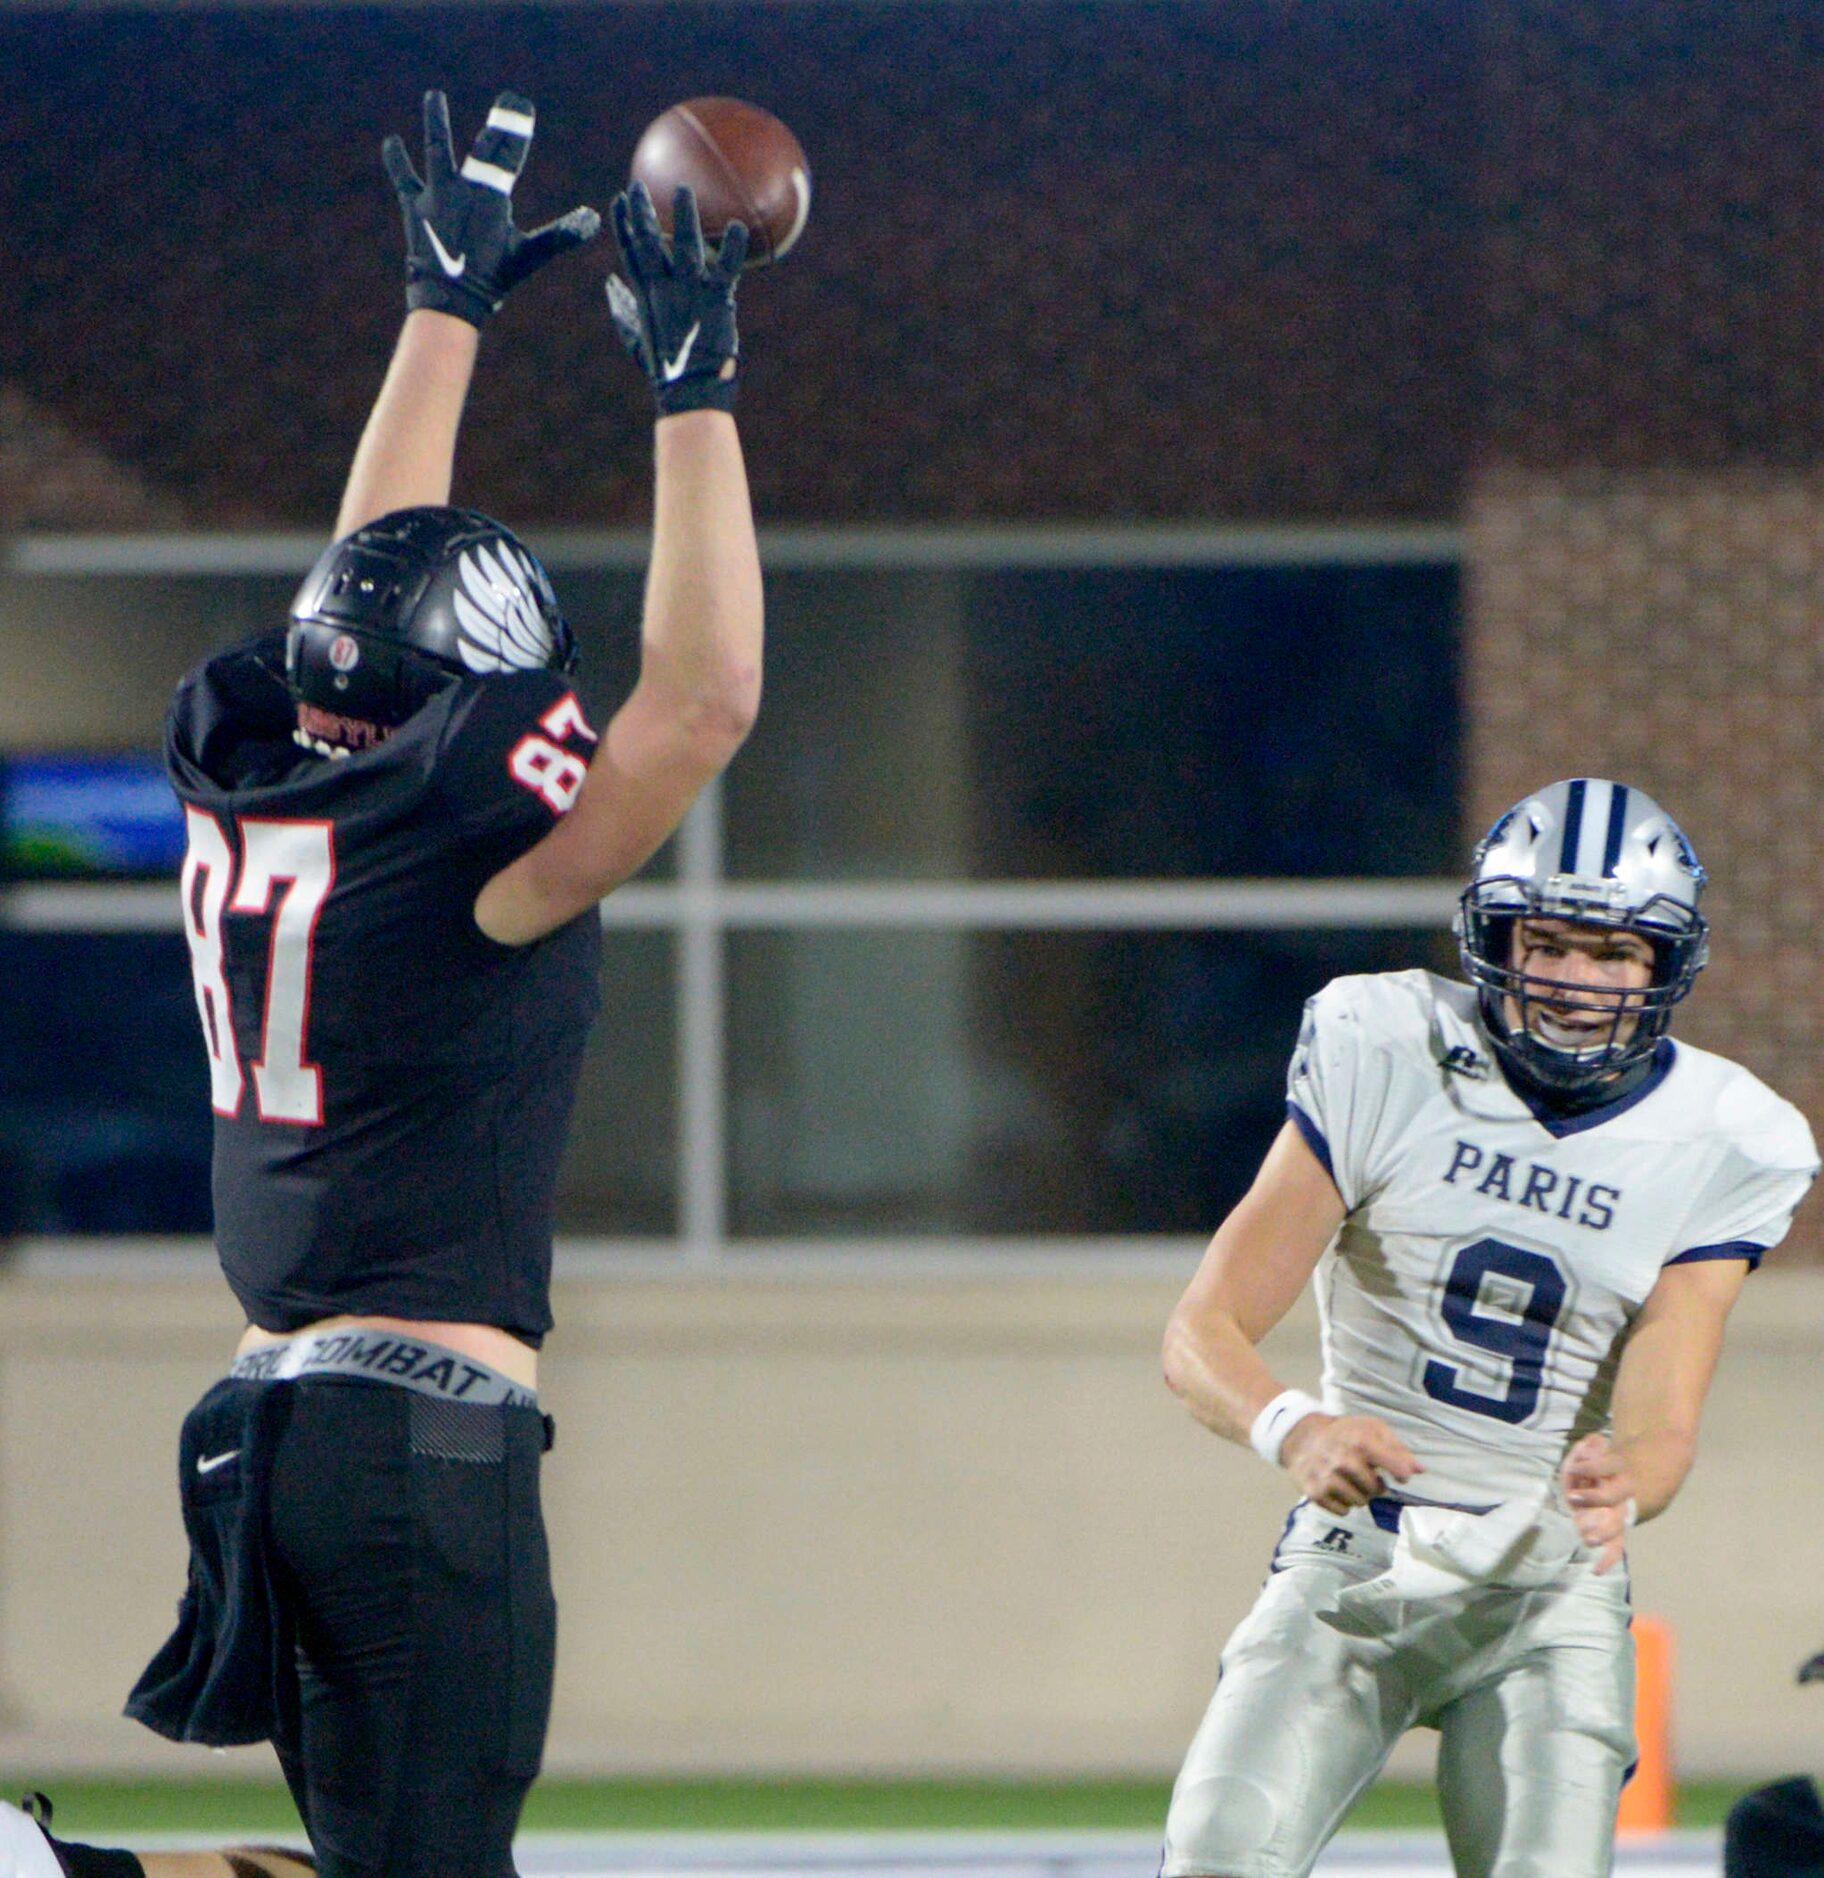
x=512 y=757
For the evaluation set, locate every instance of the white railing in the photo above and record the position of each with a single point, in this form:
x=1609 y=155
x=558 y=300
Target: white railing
x=808 y=549
x=878 y=906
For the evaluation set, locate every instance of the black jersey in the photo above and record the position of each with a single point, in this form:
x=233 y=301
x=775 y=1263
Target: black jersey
x=391 y=1087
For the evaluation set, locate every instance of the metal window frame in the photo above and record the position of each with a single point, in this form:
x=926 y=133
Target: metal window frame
x=702 y=906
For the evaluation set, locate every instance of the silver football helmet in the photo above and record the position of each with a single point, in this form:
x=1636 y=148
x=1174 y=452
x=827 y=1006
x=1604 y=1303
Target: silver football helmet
x=1599 y=854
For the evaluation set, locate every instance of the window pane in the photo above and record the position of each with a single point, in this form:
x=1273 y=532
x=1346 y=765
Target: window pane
x=144 y=631
x=603 y=606
x=619 y=1173
x=1017 y=1083
x=118 y=644
x=105 y=1123
x=1103 y=724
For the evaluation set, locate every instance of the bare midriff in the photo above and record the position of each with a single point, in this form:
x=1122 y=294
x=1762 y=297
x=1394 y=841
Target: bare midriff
x=486 y=1343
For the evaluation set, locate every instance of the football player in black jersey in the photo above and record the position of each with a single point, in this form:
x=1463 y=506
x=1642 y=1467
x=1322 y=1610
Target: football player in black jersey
x=401 y=818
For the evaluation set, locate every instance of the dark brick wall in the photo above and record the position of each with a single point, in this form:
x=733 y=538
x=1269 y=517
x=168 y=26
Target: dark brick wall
x=1644 y=584
x=1249 y=260
x=1652 y=232
x=1065 y=260
x=1667 y=628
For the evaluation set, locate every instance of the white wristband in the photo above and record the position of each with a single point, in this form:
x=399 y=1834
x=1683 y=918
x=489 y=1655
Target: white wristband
x=1278 y=1419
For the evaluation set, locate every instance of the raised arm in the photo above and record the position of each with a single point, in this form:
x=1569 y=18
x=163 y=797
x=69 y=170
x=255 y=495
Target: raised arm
x=1261 y=1258
x=463 y=256
x=700 y=645
x=1660 y=1385
x=407 y=454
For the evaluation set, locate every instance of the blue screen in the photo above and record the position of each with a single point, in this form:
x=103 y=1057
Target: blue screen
x=73 y=815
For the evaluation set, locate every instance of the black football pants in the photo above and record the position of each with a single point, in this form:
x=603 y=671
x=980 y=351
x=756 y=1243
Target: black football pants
x=409 y=1550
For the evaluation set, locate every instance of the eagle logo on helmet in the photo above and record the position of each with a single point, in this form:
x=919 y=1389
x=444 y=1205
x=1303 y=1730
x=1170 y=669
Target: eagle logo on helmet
x=502 y=627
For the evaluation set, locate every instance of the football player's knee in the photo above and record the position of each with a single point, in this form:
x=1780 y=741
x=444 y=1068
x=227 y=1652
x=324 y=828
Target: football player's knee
x=1217 y=1826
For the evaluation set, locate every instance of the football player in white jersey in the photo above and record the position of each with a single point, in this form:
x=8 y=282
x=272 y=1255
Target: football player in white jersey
x=1527 y=1212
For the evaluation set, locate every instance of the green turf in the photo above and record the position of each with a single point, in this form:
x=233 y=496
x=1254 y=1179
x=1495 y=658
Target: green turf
x=98 y=1809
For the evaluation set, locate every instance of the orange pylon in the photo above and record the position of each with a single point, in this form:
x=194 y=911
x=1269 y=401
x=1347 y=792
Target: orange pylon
x=1647 y=1800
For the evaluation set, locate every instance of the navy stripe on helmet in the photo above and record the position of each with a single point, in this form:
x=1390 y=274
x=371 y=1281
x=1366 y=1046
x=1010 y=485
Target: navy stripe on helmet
x=1573 y=827
x=1618 y=826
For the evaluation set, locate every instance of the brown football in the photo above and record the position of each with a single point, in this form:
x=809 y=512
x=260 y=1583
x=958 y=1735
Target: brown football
x=743 y=164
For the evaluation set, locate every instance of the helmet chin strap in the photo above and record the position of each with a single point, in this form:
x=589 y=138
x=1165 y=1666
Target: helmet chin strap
x=1572 y=1098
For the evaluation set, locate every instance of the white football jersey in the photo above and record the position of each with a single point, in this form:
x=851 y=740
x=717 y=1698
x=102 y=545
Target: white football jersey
x=1478 y=1293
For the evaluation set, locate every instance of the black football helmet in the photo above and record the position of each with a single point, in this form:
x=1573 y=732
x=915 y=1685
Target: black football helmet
x=1597 y=854
x=398 y=610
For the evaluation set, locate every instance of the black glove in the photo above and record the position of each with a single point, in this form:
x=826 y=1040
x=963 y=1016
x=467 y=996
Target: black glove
x=463 y=254
x=677 y=317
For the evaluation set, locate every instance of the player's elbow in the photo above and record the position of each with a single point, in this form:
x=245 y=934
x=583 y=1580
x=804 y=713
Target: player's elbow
x=727 y=711
x=711 y=718
x=1179 y=1356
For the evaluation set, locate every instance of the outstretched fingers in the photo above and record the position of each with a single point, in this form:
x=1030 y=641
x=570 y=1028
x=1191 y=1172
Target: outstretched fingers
x=636 y=228
x=731 y=255
x=691 y=251
x=555 y=238
x=439 y=151
x=686 y=229
x=500 y=150
x=399 y=171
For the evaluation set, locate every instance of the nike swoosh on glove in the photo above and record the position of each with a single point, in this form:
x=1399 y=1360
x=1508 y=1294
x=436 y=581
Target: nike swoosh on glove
x=675 y=311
